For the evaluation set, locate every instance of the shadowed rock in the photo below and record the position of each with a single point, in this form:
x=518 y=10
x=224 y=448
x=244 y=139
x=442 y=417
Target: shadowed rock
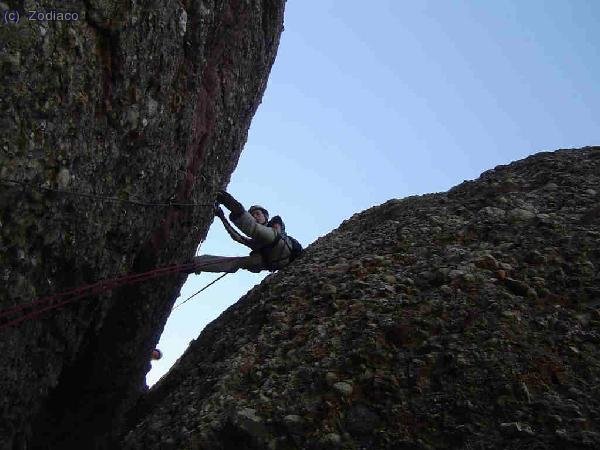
x=146 y=101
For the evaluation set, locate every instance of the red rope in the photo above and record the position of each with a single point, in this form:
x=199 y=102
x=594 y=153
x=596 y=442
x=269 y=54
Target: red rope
x=50 y=302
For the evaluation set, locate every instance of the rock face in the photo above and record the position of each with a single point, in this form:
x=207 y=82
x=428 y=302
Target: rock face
x=133 y=101
x=467 y=319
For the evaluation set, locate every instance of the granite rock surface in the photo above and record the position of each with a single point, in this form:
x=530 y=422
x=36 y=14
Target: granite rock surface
x=465 y=319
x=106 y=122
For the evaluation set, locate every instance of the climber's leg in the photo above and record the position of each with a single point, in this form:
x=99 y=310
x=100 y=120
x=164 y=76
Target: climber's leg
x=210 y=263
x=253 y=263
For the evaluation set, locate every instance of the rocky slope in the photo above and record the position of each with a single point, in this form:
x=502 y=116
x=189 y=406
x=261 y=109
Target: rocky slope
x=466 y=319
x=147 y=101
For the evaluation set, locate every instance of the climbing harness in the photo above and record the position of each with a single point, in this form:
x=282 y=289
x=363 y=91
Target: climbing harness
x=295 y=251
x=21 y=313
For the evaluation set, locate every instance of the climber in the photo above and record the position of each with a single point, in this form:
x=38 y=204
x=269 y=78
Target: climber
x=156 y=354
x=271 y=248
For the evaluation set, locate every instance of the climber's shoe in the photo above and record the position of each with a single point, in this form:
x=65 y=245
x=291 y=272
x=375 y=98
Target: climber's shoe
x=192 y=266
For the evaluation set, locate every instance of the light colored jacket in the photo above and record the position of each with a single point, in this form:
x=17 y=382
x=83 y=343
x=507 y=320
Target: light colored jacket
x=236 y=236
x=274 y=246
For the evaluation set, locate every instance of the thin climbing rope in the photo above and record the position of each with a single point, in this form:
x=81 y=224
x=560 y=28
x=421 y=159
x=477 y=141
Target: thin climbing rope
x=102 y=197
x=204 y=288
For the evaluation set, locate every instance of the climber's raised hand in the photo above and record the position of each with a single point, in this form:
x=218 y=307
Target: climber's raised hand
x=230 y=203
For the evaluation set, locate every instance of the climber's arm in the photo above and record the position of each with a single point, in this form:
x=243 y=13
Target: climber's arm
x=232 y=231
x=259 y=233
x=230 y=203
x=245 y=222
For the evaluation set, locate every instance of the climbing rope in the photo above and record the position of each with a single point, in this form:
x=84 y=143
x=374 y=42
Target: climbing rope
x=204 y=288
x=101 y=197
x=41 y=305
x=37 y=307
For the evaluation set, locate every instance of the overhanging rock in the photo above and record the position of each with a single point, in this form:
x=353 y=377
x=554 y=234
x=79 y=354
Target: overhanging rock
x=147 y=101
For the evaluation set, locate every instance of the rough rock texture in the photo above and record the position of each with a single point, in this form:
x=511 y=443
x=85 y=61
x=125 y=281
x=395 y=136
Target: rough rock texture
x=467 y=319
x=138 y=100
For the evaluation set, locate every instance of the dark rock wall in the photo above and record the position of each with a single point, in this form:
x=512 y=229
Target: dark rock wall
x=467 y=319
x=138 y=100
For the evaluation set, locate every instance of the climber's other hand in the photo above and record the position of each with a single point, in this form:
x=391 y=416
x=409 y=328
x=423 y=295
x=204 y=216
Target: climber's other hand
x=230 y=203
x=219 y=212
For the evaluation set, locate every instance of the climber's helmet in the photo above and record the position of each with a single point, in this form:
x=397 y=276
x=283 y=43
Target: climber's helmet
x=156 y=354
x=259 y=213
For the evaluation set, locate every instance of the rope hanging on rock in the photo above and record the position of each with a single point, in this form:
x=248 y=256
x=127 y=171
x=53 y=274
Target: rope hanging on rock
x=21 y=313
x=105 y=198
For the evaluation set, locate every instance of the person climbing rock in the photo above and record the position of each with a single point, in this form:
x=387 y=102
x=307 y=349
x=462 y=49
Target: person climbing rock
x=271 y=248
x=156 y=354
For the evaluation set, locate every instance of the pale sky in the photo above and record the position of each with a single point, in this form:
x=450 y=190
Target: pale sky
x=397 y=98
